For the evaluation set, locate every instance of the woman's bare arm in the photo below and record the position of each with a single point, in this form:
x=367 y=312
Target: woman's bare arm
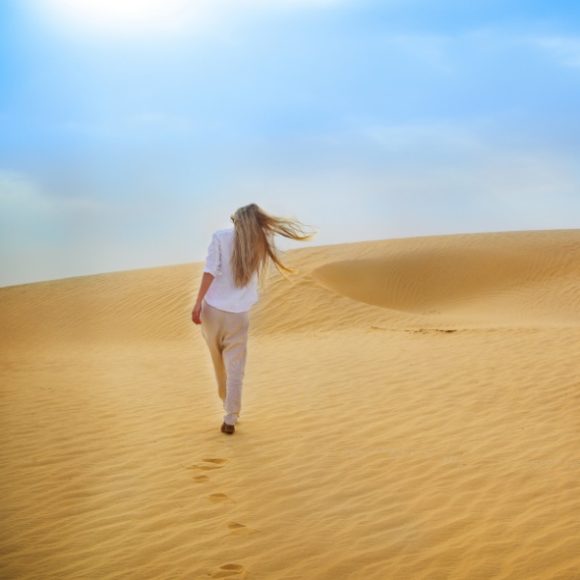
x=206 y=281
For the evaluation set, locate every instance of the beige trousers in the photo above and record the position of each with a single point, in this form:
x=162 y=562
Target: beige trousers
x=226 y=334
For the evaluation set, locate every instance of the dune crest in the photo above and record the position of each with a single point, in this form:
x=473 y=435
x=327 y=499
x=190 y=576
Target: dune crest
x=470 y=275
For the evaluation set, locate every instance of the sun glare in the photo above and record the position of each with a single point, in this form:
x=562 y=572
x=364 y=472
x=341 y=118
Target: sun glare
x=116 y=16
x=86 y=19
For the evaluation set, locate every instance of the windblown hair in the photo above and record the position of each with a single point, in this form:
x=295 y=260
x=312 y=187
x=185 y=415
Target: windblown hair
x=254 y=246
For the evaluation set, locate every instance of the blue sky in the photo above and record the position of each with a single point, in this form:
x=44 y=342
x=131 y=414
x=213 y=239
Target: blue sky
x=131 y=129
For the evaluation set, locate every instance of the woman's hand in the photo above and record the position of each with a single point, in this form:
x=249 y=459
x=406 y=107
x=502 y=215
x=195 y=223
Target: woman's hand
x=196 y=313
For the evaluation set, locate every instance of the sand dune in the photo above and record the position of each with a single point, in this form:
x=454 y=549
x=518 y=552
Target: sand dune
x=523 y=276
x=410 y=411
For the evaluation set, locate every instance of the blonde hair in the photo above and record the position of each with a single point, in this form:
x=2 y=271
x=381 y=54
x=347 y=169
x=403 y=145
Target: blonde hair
x=254 y=245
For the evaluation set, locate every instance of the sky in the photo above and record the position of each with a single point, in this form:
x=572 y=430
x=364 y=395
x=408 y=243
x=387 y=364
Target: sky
x=131 y=129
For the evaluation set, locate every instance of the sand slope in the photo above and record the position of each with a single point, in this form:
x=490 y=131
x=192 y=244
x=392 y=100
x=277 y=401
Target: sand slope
x=410 y=411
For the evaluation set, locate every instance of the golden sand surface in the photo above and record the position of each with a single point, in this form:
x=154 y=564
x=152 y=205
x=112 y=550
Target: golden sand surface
x=411 y=410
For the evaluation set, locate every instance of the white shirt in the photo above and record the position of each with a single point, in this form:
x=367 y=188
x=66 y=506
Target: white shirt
x=222 y=293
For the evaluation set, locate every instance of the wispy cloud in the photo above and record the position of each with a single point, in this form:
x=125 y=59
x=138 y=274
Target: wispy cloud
x=143 y=121
x=46 y=235
x=21 y=194
x=417 y=136
x=565 y=49
x=444 y=52
x=433 y=50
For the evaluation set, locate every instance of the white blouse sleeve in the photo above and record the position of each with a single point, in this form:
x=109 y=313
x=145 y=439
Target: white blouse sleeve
x=213 y=259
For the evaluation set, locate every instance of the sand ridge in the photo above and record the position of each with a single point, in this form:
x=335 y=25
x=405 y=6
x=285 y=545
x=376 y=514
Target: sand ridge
x=410 y=411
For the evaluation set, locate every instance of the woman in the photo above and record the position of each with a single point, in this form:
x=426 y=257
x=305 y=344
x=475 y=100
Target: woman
x=236 y=265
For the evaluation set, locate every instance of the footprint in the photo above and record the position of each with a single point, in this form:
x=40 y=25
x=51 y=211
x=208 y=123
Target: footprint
x=200 y=478
x=235 y=526
x=227 y=570
x=214 y=463
x=219 y=497
x=428 y=330
x=240 y=529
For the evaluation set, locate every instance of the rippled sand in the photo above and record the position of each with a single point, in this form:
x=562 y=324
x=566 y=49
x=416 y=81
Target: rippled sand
x=411 y=410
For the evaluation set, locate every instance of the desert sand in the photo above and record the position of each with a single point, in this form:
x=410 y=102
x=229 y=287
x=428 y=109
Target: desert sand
x=411 y=410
